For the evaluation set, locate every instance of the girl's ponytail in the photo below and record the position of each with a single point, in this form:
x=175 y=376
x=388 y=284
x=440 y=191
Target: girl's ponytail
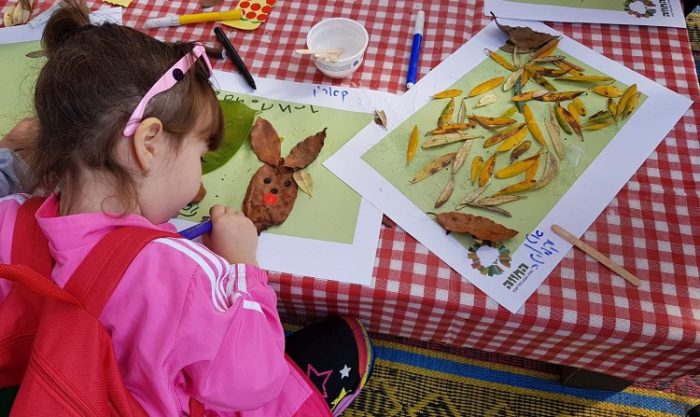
x=71 y=18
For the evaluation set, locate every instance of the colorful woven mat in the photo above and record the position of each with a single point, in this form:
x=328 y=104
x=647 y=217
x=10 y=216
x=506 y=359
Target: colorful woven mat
x=415 y=381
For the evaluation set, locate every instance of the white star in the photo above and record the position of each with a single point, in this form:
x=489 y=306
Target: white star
x=345 y=372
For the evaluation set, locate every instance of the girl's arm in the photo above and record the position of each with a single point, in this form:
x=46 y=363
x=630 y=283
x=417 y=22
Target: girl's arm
x=238 y=323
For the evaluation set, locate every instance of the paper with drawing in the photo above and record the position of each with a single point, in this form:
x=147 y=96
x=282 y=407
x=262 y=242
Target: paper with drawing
x=619 y=12
x=591 y=166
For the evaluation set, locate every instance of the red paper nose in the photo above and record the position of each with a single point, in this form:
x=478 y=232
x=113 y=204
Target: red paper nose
x=270 y=199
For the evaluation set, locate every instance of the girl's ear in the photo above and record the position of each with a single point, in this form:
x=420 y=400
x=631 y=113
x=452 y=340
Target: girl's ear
x=147 y=139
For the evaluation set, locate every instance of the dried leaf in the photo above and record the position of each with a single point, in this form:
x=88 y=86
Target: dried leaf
x=607 y=91
x=477 y=164
x=491 y=122
x=533 y=126
x=486 y=86
x=550 y=58
x=36 y=54
x=586 y=78
x=517 y=187
x=599 y=117
x=504 y=134
x=306 y=151
x=550 y=172
x=209 y=3
x=497 y=200
x=560 y=96
x=412 y=145
x=455 y=92
x=546 y=50
x=265 y=142
x=524 y=38
x=471 y=196
x=486 y=100
x=512 y=78
x=597 y=126
x=554 y=133
x=544 y=83
x=631 y=105
x=561 y=119
x=444 y=139
x=571 y=121
x=580 y=107
x=494 y=209
x=462 y=114
x=434 y=166
x=517 y=167
x=446 y=192
x=487 y=170
x=450 y=128
x=500 y=60
x=380 y=118
x=529 y=95
x=513 y=140
x=304 y=181
x=520 y=150
x=612 y=108
x=532 y=171
x=446 y=115
x=516 y=57
x=461 y=156
x=479 y=227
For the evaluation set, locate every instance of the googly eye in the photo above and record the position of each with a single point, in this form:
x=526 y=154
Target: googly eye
x=287 y=183
x=178 y=74
x=267 y=180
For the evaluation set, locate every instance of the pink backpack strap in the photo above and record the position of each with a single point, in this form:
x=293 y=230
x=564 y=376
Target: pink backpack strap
x=29 y=245
x=102 y=269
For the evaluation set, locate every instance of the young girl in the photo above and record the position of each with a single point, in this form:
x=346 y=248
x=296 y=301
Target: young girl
x=123 y=122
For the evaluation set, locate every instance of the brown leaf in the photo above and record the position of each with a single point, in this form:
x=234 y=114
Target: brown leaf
x=479 y=227
x=265 y=142
x=524 y=38
x=306 y=151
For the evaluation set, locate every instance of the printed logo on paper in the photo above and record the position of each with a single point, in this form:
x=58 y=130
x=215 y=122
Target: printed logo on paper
x=488 y=260
x=640 y=8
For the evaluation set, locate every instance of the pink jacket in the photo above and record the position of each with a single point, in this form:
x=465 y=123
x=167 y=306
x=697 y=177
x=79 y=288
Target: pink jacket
x=184 y=322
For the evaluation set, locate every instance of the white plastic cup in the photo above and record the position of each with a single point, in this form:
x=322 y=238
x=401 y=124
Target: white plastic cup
x=338 y=33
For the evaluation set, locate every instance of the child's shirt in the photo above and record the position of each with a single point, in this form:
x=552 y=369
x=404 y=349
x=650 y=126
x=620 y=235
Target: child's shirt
x=183 y=320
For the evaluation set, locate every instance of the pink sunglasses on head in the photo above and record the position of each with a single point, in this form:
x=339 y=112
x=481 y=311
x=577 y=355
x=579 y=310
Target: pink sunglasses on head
x=166 y=82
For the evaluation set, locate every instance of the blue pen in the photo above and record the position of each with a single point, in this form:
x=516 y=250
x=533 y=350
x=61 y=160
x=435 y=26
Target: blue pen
x=415 y=50
x=196 y=230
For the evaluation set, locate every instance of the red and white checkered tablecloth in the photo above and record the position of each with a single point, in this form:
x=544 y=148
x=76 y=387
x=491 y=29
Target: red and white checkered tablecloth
x=583 y=315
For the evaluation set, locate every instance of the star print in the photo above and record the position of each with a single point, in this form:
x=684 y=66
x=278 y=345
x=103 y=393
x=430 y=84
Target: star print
x=345 y=372
x=325 y=374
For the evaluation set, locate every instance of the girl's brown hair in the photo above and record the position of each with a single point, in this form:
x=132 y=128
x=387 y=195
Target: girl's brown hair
x=94 y=77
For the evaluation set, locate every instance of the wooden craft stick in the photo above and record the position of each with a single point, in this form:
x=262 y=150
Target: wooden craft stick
x=318 y=51
x=596 y=255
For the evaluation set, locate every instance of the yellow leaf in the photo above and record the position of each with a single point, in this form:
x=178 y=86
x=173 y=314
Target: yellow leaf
x=487 y=170
x=477 y=163
x=517 y=188
x=607 y=91
x=446 y=115
x=501 y=61
x=412 y=145
x=532 y=126
x=448 y=93
x=513 y=141
x=517 y=167
x=486 y=86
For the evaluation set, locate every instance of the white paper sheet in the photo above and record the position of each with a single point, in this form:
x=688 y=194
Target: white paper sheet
x=653 y=13
x=542 y=250
x=350 y=263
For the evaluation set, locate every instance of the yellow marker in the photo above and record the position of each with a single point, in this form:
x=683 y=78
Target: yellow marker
x=175 y=20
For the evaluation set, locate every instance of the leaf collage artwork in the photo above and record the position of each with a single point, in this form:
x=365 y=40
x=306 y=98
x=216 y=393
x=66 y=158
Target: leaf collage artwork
x=488 y=157
x=286 y=142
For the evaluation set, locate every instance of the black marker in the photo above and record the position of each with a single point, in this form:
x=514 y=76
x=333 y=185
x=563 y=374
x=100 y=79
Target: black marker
x=235 y=58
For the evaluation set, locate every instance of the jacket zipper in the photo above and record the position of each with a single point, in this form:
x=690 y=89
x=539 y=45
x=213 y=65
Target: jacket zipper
x=65 y=392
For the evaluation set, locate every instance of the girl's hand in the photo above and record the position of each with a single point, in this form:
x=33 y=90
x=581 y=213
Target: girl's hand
x=233 y=235
x=22 y=138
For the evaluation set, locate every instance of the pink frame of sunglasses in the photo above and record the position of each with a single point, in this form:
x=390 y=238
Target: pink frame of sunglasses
x=166 y=82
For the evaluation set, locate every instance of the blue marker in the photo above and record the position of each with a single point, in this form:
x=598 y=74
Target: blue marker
x=196 y=230
x=415 y=50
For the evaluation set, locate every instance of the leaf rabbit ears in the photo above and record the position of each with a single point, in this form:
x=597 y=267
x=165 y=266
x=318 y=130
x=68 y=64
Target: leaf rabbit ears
x=266 y=145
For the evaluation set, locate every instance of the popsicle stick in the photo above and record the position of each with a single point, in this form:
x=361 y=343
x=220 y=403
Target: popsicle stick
x=632 y=279
x=318 y=51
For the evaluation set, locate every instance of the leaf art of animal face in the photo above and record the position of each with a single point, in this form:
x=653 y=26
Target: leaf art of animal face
x=272 y=190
